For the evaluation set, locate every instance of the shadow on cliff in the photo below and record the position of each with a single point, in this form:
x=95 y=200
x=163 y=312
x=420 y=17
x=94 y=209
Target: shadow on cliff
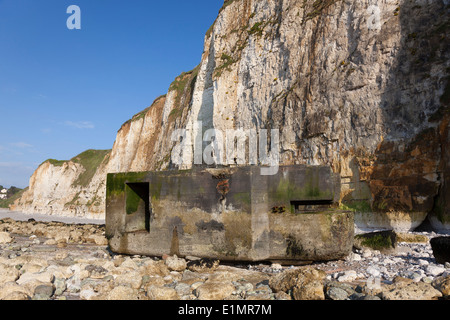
x=206 y=111
x=410 y=170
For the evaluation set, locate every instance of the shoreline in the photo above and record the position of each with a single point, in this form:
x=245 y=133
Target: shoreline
x=20 y=216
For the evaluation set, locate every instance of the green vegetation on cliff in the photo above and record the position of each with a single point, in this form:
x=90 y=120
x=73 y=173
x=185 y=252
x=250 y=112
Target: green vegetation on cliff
x=5 y=203
x=90 y=160
x=180 y=84
x=54 y=162
x=141 y=114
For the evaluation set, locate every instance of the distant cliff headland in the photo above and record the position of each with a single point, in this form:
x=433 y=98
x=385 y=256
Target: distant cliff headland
x=9 y=195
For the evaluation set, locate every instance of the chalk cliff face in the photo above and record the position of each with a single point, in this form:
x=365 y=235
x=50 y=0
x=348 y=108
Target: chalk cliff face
x=68 y=188
x=361 y=86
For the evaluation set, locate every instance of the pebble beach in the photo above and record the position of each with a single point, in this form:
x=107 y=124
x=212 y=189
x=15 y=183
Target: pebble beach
x=69 y=260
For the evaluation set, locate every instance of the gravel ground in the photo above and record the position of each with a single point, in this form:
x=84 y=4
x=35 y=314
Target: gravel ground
x=54 y=260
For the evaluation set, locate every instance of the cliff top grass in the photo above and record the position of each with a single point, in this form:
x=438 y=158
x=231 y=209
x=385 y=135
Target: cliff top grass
x=54 y=162
x=90 y=160
x=142 y=113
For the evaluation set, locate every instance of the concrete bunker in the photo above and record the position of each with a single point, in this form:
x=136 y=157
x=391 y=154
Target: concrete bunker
x=233 y=214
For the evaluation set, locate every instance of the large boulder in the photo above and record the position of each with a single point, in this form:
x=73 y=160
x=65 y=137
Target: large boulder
x=384 y=241
x=441 y=249
x=8 y=273
x=175 y=264
x=5 y=238
x=407 y=289
x=443 y=285
x=215 y=290
x=305 y=283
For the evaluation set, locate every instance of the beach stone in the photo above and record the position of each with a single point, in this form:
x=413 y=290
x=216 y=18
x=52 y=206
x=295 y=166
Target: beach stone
x=155 y=268
x=335 y=293
x=282 y=296
x=371 y=297
x=357 y=296
x=8 y=274
x=427 y=279
x=411 y=237
x=203 y=265
x=305 y=283
x=96 y=272
x=373 y=271
x=183 y=289
x=276 y=266
x=5 y=238
x=347 y=276
x=383 y=241
x=196 y=284
x=367 y=253
x=162 y=293
x=97 y=239
x=423 y=262
x=310 y=290
x=176 y=264
x=441 y=249
x=123 y=293
x=60 y=286
x=16 y=295
x=43 y=292
x=130 y=278
x=403 y=290
x=214 y=290
x=9 y=288
x=435 y=270
x=88 y=294
x=442 y=284
x=152 y=280
x=73 y=284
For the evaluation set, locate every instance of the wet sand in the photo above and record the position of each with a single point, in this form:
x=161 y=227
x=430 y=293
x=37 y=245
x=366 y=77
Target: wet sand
x=20 y=216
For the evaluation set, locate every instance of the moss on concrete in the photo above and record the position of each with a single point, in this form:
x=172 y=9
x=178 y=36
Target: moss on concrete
x=378 y=241
x=133 y=200
x=238 y=235
x=115 y=183
x=287 y=191
x=294 y=248
x=356 y=206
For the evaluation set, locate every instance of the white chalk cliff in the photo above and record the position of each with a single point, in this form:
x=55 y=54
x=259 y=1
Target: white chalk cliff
x=361 y=86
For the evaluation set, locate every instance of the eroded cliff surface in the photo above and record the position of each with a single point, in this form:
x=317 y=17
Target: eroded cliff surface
x=361 y=86
x=68 y=188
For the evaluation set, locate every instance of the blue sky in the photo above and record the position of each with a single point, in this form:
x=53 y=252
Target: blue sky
x=65 y=91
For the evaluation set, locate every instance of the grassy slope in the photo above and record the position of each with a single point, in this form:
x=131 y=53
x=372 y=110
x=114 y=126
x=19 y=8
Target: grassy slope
x=7 y=202
x=90 y=160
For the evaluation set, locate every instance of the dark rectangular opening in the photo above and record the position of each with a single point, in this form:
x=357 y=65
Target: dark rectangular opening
x=137 y=207
x=304 y=206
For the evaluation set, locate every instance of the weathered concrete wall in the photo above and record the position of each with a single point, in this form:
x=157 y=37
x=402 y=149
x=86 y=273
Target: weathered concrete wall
x=230 y=214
